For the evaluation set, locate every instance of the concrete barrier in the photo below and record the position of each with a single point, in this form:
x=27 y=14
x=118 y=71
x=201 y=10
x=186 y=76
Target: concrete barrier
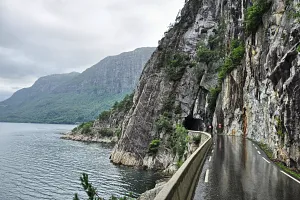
x=183 y=183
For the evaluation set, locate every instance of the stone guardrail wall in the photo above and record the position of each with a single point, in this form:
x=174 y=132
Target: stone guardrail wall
x=183 y=183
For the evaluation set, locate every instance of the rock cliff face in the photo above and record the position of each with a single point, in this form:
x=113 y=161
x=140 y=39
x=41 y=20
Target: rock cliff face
x=261 y=98
x=227 y=62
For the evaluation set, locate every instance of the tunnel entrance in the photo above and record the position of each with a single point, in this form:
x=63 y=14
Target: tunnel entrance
x=191 y=123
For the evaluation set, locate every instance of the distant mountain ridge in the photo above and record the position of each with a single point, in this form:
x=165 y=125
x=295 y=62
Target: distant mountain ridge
x=45 y=84
x=77 y=97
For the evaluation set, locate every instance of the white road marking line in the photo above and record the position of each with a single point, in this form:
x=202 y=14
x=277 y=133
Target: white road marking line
x=290 y=176
x=253 y=144
x=266 y=160
x=258 y=152
x=255 y=147
x=206 y=176
x=209 y=158
x=212 y=151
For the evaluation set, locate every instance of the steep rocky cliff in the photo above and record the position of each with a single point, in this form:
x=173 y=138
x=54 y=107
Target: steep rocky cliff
x=227 y=62
x=261 y=98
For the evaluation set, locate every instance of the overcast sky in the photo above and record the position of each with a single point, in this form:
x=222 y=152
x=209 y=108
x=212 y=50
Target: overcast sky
x=42 y=37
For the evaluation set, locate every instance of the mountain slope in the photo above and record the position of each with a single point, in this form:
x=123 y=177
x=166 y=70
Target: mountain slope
x=75 y=97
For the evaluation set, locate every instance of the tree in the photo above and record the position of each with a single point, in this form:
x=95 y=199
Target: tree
x=88 y=188
x=92 y=191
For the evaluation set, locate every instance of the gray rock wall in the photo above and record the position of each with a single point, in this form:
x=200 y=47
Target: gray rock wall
x=259 y=99
x=154 y=89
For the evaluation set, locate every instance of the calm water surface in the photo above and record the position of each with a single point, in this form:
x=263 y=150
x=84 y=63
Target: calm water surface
x=36 y=164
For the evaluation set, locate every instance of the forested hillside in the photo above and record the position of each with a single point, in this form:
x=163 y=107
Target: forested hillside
x=77 y=97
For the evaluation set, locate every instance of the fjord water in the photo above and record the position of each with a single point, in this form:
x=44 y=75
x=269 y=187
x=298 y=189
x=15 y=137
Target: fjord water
x=36 y=164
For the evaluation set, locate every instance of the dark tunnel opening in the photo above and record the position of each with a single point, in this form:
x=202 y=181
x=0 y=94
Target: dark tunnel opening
x=191 y=123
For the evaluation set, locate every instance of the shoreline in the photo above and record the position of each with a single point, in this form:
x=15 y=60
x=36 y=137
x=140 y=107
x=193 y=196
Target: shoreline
x=89 y=138
x=146 y=195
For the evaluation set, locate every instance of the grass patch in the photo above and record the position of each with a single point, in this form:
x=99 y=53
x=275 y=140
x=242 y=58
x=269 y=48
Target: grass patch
x=179 y=163
x=266 y=149
x=293 y=172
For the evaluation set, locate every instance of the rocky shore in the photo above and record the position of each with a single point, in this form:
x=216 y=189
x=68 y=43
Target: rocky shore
x=89 y=138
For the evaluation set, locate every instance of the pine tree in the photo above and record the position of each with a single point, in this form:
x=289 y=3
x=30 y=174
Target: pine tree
x=88 y=188
x=92 y=191
x=76 y=197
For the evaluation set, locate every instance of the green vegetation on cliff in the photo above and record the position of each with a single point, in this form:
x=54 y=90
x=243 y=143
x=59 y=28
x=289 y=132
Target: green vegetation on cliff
x=122 y=106
x=164 y=124
x=280 y=131
x=105 y=124
x=214 y=52
x=233 y=60
x=153 y=147
x=179 y=140
x=212 y=98
x=176 y=66
x=254 y=15
x=296 y=14
x=86 y=127
x=178 y=136
x=206 y=55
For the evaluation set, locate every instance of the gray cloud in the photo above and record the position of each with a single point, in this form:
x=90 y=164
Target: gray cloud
x=42 y=37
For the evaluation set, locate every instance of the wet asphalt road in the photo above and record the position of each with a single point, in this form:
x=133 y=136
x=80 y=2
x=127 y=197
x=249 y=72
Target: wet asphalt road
x=238 y=172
